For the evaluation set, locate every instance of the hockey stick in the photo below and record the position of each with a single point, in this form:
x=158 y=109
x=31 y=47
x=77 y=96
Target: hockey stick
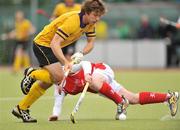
x=168 y=22
x=66 y=73
x=76 y=108
x=63 y=82
x=43 y=13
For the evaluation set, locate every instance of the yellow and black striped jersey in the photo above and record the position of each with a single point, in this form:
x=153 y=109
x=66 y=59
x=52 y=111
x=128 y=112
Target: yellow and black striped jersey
x=69 y=26
x=62 y=8
x=22 y=30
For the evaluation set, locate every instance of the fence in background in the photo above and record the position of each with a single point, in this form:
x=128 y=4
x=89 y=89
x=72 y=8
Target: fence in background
x=128 y=53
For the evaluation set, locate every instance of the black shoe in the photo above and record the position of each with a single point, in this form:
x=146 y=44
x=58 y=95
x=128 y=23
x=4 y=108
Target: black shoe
x=23 y=114
x=27 y=81
x=173 y=102
x=121 y=109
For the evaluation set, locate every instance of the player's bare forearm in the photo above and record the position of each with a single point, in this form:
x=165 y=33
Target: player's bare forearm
x=56 y=48
x=89 y=46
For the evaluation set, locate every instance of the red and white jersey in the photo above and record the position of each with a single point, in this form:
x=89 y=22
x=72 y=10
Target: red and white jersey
x=74 y=83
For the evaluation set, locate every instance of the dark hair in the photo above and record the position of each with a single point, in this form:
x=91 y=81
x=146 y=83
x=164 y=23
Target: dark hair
x=96 y=6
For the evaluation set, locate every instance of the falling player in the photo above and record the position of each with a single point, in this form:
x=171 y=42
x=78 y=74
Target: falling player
x=101 y=79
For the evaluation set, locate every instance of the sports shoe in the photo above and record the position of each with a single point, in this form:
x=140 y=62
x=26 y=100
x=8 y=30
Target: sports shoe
x=121 y=108
x=27 y=81
x=53 y=118
x=23 y=114
x=173 y=102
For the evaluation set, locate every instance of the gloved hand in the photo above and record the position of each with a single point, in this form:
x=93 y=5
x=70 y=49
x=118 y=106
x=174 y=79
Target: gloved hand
x=77 y=57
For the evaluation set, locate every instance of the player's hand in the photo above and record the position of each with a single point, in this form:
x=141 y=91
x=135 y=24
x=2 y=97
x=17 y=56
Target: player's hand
x=67 y=66
x=88 y=78
x=77 y=57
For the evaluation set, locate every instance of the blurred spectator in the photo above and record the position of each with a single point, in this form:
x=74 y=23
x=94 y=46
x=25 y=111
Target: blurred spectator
x=178 y=23
x=162 y=30
x=123 y=30
x=146 y=30
x=67 y=6
x=172 y=33
x=21 y=34
x=61 y=8
x=101 y=30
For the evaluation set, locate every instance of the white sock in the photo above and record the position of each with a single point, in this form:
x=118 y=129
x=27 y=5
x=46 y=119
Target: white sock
x=58 y=102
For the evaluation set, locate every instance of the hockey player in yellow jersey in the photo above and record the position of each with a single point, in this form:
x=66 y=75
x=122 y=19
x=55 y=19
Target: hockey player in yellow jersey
x=47 y=46
x=69 y=27
x=60 y=9
x=21 y=34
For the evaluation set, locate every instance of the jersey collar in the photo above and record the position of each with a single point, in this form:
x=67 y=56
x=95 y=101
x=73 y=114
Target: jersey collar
x=82 y=25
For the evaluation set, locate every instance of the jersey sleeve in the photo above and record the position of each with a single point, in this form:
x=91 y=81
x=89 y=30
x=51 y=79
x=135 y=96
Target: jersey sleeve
x=91 y=31
x=87 y=67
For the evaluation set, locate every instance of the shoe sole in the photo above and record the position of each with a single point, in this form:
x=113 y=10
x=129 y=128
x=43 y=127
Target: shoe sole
x=26 y=73
x=34 y=121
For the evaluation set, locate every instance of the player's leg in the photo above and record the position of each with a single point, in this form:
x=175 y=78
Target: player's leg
x=31 y=75
x=144 y=97
x=152 y=97
x=17 y=58
x=57 y=108
x=26 y=58
x=36 y=91
x=101 y=85
x=51 y=71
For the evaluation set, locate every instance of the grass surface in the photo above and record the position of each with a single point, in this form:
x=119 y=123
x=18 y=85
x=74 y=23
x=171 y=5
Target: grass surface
x=96 y=113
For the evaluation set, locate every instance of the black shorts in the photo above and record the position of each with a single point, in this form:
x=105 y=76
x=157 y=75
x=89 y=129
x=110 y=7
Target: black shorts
x=70 y=49
x=22 y=44
x=44 y=55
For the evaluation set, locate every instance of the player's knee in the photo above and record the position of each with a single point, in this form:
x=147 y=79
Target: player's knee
x=44 y=85
x=58 y=79
x=97 y=78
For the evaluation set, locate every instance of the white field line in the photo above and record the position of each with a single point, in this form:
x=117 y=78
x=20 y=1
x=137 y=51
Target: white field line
x=169 y=117
x=166 y=118
x=45 y=98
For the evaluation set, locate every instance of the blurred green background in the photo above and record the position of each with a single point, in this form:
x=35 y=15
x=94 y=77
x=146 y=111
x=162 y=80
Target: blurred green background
x=119 y=12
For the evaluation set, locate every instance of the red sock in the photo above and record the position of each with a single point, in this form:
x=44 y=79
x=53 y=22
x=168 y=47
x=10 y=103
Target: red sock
x=110 y=93
x=150 y=97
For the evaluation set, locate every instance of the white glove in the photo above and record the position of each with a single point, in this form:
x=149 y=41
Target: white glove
x=77 y=57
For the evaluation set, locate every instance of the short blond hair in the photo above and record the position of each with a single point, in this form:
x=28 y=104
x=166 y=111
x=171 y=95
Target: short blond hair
x=96 y=6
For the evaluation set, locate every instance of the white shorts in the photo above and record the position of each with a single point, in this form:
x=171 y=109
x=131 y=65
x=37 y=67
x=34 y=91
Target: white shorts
x=109 y=75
